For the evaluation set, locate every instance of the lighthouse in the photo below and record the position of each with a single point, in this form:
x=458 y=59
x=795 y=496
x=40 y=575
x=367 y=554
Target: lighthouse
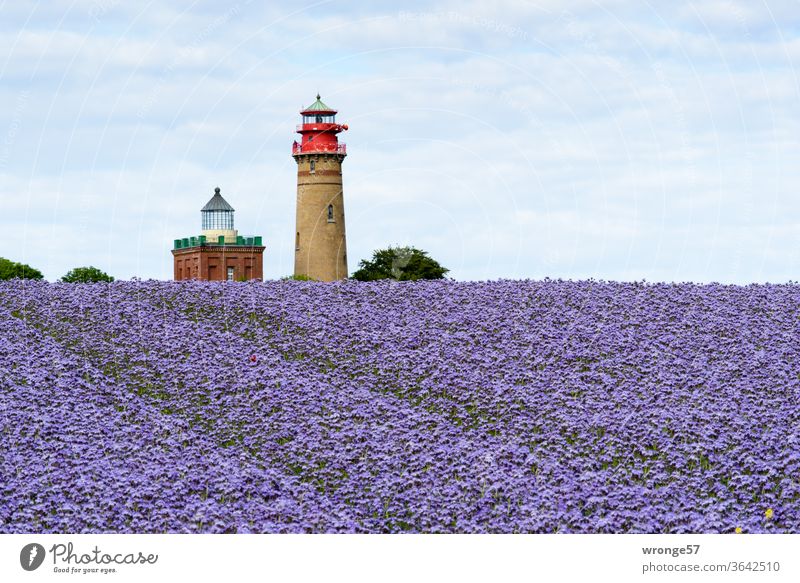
x=320 y=249
x=219 y=253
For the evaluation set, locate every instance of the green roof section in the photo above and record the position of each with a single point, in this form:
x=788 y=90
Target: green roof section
x=318 y=105
x=202 y=241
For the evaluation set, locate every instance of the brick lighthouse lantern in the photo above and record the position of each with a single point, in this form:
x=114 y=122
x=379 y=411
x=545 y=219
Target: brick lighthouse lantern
x=220 y=253
x=320 y=249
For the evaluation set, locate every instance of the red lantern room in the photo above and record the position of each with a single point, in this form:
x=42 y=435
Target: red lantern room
x=318 y=131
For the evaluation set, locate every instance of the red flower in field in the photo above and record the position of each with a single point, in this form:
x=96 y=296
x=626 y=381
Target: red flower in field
x=253 y=358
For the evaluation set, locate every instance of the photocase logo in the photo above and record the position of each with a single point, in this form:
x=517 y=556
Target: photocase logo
x=31 y=556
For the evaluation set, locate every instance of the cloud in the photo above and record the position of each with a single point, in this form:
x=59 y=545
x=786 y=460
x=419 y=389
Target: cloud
x=517 y=140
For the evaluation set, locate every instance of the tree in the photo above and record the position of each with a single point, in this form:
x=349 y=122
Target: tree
x=400 y=263
x=86 y=275
x=12 y=270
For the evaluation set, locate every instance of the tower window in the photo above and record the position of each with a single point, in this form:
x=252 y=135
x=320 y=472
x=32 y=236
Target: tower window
x=297 y=242
x=313 y=165
x=230 y=274
x=330 y=214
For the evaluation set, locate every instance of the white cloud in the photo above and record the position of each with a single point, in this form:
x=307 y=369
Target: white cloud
x=527 y=139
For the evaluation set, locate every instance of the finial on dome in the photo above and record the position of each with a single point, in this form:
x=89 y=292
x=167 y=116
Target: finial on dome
x=216 y=190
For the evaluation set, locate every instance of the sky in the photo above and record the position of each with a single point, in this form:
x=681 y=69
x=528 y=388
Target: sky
x=615 y=140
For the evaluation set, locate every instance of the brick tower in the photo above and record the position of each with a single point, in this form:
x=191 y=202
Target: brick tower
x=320 y=249
x=220 y=253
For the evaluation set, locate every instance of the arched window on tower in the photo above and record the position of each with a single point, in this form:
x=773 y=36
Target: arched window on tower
x=330 y=214
x=297 y=242
x=313 y=166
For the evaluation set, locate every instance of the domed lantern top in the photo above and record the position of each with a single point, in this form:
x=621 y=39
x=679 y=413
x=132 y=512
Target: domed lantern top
x=217 y=213
x=318 y=107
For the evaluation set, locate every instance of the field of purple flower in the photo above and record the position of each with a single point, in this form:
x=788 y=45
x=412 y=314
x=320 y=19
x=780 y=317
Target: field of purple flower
x=510 y=406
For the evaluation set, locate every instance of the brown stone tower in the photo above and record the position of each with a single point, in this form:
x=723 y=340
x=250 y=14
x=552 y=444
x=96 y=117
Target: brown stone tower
x=220 y=253
x=320 y=248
